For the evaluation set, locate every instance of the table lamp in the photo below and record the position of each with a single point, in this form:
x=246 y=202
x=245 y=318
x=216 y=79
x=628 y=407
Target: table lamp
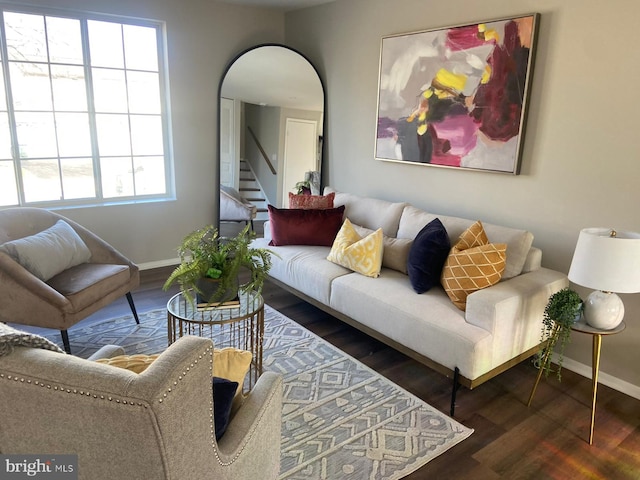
x=608 y=262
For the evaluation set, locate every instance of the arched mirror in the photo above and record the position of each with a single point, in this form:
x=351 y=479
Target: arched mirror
x=271 y=125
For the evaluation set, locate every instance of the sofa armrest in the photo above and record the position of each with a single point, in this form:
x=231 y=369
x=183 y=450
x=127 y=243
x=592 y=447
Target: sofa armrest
x=512 y=311
x=20 y=287
x=107 y=351
x=252 y=439
x=267 y=231
x=533 y=261
x=508 y=306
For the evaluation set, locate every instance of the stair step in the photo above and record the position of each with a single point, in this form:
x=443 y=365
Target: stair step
x=254 y=199
x=247 y=189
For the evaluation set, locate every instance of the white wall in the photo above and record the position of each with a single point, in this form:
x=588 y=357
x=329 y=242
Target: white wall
x=203 y=37
x=581 y=161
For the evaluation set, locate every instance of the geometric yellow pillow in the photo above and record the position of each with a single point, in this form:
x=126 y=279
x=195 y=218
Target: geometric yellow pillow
x=135 y=363
x=362 y=255
x=473 y=264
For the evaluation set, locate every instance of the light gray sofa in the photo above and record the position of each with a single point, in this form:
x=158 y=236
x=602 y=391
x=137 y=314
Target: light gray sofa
x=500 y=327
x=158 y=424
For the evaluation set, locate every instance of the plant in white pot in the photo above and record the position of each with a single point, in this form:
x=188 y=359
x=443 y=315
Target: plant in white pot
x=563 y=309
x=210 y=266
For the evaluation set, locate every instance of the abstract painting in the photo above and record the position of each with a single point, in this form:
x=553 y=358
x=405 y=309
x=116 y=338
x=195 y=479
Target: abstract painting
x=457 y=96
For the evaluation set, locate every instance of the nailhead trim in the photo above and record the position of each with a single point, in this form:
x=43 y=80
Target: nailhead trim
x=208 y=351
x=68 y=390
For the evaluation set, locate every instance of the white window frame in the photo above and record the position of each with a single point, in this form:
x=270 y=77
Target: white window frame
x=99 y=199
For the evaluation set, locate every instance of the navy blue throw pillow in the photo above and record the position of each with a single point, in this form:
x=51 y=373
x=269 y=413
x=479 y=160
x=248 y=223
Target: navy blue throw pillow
x=223 y=392
x=427 y=255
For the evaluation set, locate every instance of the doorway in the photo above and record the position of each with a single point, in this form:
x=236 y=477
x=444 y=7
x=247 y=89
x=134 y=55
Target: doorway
x=300 y=153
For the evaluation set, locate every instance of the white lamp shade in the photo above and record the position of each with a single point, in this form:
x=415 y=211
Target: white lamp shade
x=605 y=262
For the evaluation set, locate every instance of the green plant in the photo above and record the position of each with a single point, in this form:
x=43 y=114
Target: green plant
x=562 y=311
x=303 y=188
x=204 y=254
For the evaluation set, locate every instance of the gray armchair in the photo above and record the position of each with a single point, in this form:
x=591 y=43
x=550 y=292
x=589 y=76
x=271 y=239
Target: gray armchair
x=233 y=208
x=158 y=424
x=68 y=296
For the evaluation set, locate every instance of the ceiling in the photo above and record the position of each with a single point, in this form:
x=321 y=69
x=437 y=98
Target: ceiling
x=274 y=76
x=284 y=5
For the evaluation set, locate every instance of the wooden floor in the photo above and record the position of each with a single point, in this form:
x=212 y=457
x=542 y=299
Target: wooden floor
x=546 y=441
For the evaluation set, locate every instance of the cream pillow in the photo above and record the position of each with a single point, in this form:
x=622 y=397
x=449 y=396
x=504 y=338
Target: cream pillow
x=362 y=255
x=473 y=264
x=50 y=251
x=395 y=251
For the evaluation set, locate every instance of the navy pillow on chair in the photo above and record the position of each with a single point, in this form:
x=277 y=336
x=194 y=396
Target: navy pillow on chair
x=223 y=392
x=428 y=253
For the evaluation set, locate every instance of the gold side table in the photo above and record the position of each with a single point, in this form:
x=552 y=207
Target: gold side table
x=597 y=334
x=240 y=326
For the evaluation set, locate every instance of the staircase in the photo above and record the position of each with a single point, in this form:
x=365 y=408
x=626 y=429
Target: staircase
x=251 y=191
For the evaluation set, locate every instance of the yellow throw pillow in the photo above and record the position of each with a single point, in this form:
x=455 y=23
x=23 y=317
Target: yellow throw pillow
x=231 y=363
x=473 y=264
x=135 y=363
x=362 y=255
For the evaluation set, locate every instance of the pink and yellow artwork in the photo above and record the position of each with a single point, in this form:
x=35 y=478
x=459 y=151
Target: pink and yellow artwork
x=456 y=97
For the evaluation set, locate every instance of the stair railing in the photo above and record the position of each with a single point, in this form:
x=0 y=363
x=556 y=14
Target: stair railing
x=264 y=154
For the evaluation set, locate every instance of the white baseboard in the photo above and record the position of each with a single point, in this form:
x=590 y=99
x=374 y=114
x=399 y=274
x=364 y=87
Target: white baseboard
x=603 y=378
x=158 y=264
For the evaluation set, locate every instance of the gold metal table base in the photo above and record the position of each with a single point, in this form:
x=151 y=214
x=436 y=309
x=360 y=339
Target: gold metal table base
x=240 y=327
x=596 y=347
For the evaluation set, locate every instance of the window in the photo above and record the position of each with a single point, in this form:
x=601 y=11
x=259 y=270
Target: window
x=82 y=110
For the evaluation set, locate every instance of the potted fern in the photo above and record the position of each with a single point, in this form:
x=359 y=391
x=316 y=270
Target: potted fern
x=563 y=309
x=210 y=266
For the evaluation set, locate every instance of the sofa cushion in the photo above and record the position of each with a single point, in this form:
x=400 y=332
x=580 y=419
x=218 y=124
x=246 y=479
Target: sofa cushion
x=369 y=212
x=427 y=256
x=362 y=255
x=518 y=241
x=304 y=267
x=304 y=227
x=388 y=305
x=311 y=201
x=395 y=251
x=75 y=282
x=50 y=251
x=473 y=264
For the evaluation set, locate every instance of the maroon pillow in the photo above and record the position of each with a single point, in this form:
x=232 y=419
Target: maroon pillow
x=316 y=202
x=304 y=227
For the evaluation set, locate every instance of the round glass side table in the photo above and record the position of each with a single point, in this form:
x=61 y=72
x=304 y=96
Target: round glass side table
x=239 y=326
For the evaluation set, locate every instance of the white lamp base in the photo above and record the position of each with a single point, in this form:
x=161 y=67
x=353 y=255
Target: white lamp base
x=603 y=310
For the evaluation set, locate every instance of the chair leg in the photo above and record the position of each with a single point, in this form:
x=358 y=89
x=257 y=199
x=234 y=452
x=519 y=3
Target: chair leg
x=65 y=341
x=133 y=307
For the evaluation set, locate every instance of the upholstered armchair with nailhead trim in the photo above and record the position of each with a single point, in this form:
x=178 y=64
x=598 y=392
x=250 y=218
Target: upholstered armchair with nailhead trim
x=158 y=424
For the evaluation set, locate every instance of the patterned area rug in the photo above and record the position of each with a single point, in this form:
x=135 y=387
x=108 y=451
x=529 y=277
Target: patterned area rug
x=341 y=420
